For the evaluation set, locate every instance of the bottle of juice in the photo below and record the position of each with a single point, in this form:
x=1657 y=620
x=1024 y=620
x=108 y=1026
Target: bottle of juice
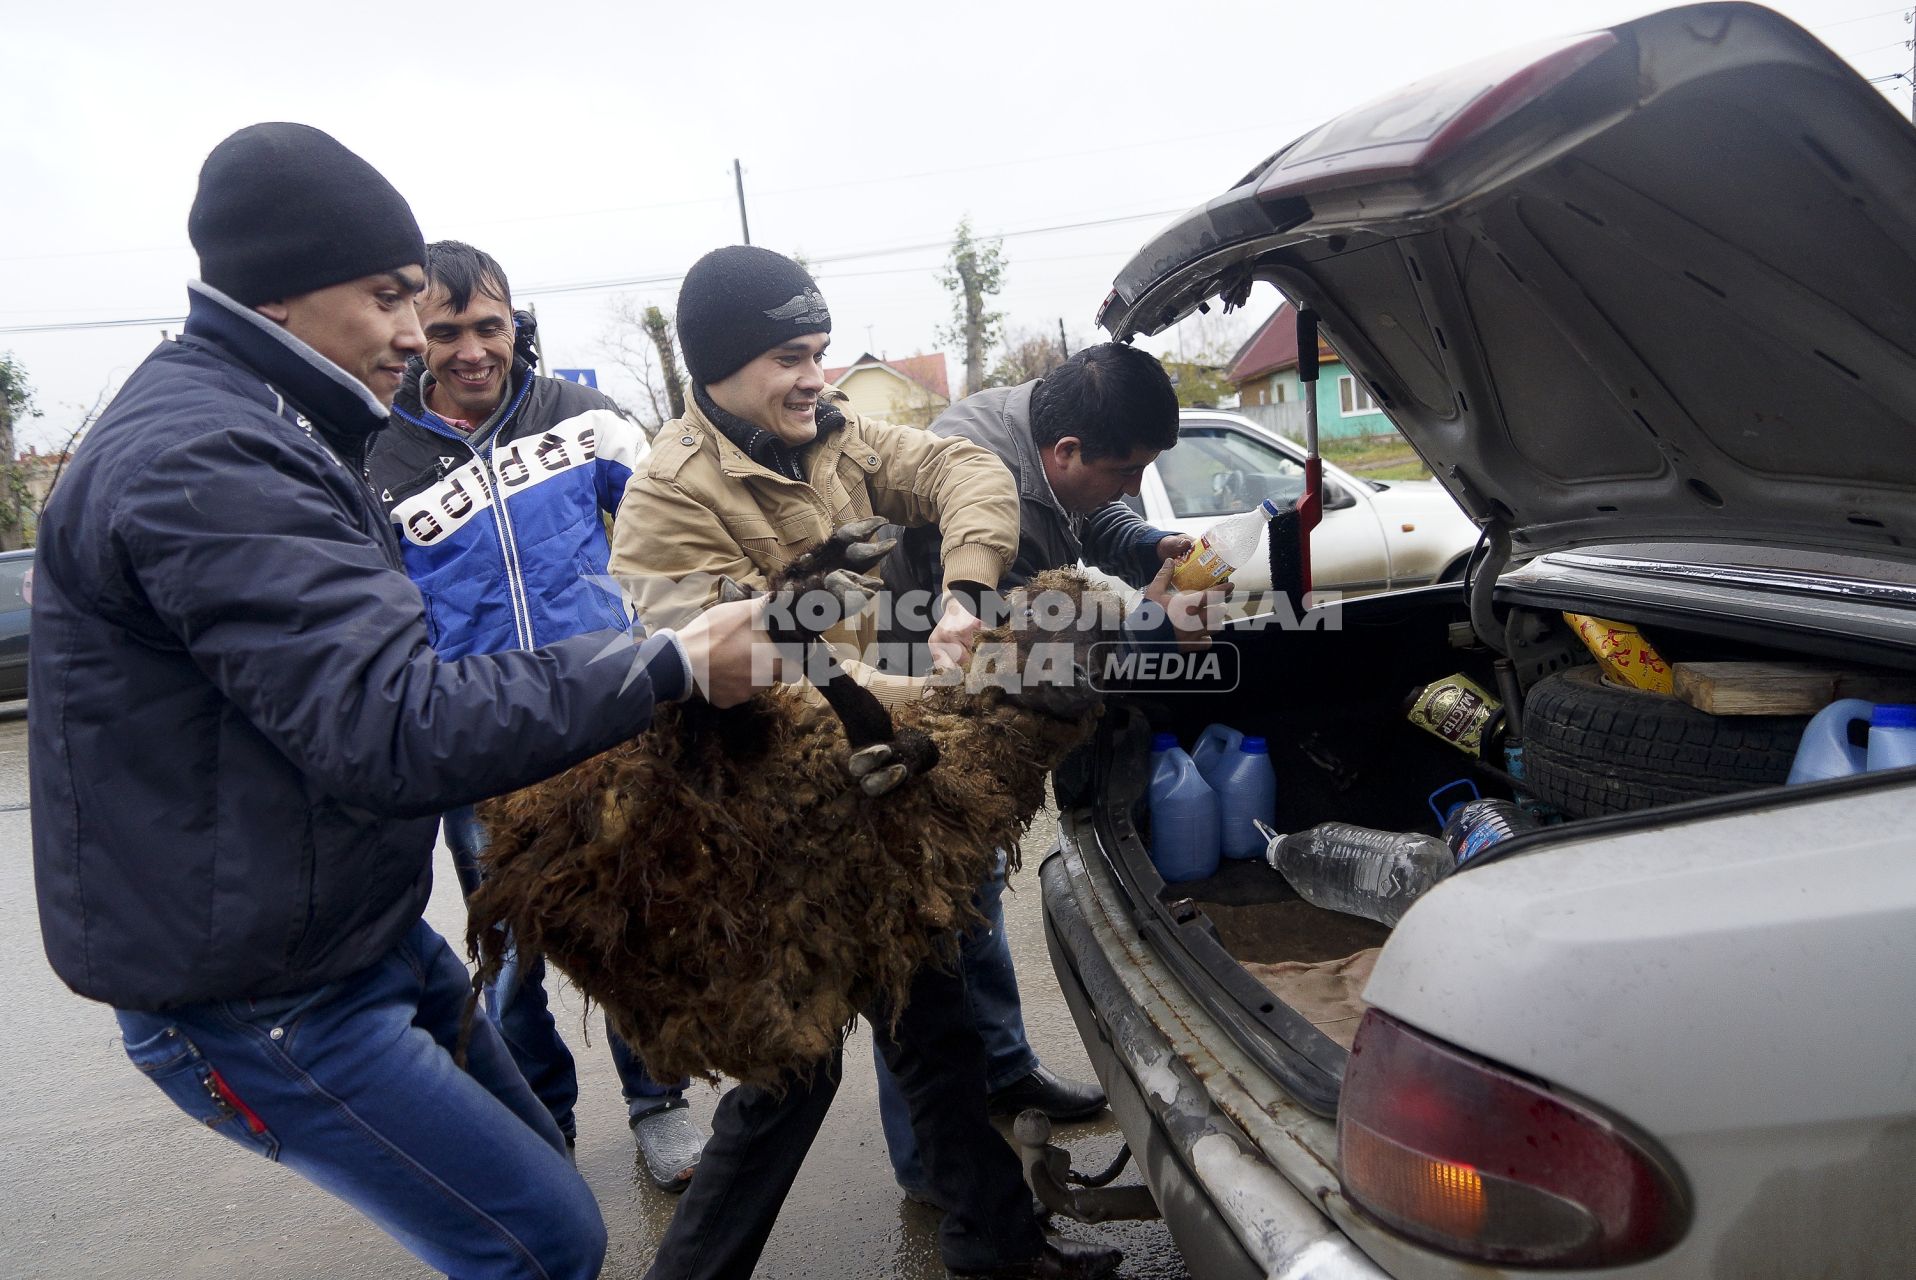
x=1224 y=548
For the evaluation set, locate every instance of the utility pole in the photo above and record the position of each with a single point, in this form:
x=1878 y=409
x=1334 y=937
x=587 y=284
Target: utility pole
x=738 y=176
x=1064 y=348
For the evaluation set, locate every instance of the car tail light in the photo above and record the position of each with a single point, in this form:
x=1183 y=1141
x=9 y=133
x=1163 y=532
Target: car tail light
x=1469 y=1158
x=1414 y=127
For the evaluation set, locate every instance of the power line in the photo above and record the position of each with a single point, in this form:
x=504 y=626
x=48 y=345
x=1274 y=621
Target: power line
x=835 y=184
x=1861 y=17
x=72 y=325
x=638 y=282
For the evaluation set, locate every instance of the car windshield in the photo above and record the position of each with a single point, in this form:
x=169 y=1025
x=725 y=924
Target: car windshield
x=13 y=583
x=1218 y=471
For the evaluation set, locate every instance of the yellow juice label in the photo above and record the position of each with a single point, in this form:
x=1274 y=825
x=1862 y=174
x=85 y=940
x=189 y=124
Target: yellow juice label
x=1201 y=569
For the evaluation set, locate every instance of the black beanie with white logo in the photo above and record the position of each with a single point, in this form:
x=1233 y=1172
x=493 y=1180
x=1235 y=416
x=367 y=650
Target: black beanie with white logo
x=739 y=302
x=284 y=209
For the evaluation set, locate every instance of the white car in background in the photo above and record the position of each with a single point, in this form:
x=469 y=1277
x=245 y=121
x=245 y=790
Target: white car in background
x=1376 y=535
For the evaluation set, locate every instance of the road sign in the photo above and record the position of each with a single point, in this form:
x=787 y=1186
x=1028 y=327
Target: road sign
x=584 y=377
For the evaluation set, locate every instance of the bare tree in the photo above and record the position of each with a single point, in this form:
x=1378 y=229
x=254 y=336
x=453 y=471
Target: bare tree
x=1197 y=354
x=659 y=329
x=1027 y=354
x=16 y=403
x=65 y=453
x=629 y=342
x=974 y=273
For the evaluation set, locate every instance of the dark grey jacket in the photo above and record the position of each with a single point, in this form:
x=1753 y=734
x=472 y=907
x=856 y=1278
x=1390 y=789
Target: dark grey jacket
x=1112 y=538
x=240 y=736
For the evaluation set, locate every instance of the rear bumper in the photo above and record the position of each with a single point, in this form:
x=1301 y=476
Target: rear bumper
x=1232 y=1211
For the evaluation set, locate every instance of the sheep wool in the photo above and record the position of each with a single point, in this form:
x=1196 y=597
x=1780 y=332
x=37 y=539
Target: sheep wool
x=726 y=891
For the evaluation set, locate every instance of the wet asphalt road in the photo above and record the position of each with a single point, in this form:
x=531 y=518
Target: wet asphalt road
x=100 y=1177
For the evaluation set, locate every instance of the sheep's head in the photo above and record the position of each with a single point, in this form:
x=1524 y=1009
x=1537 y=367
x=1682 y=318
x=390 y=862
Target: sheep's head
x=1039 y=657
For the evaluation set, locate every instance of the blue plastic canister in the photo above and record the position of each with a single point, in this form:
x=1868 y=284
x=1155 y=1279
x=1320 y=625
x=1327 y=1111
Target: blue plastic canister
x=1826 y=750
x=1184 y=814
x=1892 y=736
x=1214 y=745
x=1246 y=795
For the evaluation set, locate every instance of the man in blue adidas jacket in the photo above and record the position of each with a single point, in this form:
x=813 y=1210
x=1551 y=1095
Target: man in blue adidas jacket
x=495 y=478
x=241 y=736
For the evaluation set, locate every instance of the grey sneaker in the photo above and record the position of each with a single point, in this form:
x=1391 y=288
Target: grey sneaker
x=670 y=1144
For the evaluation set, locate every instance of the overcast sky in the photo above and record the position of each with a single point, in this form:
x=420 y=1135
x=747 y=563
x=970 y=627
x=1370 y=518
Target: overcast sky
x=584 y=143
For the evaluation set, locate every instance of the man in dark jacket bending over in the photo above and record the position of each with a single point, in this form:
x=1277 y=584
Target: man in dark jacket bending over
x=242 y=737
x=1077 y=442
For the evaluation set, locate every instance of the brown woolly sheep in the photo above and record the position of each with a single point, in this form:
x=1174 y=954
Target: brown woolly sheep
x=733 y=896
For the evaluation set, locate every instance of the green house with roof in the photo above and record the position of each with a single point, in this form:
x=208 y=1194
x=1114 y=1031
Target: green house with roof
x=1264 y=371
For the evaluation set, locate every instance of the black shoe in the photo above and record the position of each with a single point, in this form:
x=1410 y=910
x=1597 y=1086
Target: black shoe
x=1061 y=1259
x=1058 y=1098
x=923 y=1196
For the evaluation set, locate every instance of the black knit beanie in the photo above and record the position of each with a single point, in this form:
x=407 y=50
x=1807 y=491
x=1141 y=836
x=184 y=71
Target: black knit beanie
x=739 y=302
x=284 y=209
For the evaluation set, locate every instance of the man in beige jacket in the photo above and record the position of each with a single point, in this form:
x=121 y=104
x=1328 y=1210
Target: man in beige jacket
x=764 y=465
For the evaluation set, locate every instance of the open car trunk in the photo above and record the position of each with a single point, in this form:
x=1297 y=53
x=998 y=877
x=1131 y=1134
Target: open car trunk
x=1332 y=704
x=1641 y=299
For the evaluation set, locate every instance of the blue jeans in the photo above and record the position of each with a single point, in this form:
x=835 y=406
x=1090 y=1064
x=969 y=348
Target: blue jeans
x=991 y=998
x=353 y=1086
x=516 y=1003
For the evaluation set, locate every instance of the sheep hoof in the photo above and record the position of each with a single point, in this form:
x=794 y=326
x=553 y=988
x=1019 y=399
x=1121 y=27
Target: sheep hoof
x=869 y=552
x=730 y=590
x=877 y=784
x=853 y=590
x=866 y=759
x=858 y=530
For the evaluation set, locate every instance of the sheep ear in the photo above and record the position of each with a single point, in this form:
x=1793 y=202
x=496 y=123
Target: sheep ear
x=730 y=590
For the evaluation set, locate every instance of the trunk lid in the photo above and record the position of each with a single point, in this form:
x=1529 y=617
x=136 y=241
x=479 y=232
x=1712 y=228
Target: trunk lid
x=1652 y=282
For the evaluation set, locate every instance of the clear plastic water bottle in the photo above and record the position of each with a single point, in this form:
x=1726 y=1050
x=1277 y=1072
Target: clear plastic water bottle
x=1474 y=827
x=1357 y=870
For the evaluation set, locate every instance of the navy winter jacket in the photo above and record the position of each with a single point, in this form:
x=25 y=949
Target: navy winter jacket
x=506 y=541
x=240 y=734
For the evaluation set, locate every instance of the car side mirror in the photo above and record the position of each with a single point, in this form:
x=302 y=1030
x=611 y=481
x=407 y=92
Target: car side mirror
x=1337 y=497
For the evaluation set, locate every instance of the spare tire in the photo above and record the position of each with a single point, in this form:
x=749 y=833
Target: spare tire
x=1591 y=747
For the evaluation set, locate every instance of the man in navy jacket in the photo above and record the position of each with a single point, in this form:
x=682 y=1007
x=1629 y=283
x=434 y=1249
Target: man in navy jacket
x=496 y=478
x=242 y=736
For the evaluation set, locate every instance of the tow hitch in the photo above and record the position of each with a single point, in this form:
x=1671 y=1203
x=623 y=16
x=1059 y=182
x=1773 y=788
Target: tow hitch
x=1048 y=1172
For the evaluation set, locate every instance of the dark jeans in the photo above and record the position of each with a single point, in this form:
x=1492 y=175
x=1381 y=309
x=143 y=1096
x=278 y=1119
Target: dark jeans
x=991 y=994
x=353 y=1086
x=759 y=1140
x=516 y=1003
